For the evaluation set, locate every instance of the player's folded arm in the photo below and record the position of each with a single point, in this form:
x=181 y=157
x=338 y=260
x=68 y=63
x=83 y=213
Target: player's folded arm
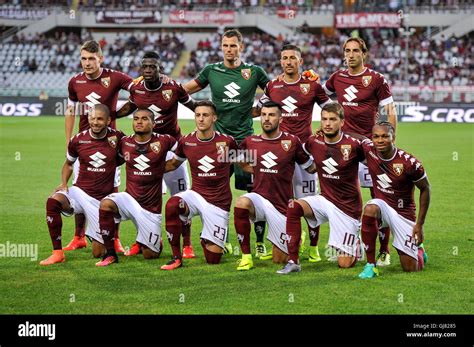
x=126 y=109
x=174 y=163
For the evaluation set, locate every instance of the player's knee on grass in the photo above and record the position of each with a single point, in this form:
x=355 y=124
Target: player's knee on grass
x=408 y=263
x=148 y=253
x=98 y=249
x=212 y=252
x=371 y=210
x=346 y=261
x=278 y=256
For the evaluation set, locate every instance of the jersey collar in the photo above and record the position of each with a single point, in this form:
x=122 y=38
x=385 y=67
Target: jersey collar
x=393 y=156
x=275 y=138
x=152 y=90
x=358 y=74
x=93 y=79
x=98 y=138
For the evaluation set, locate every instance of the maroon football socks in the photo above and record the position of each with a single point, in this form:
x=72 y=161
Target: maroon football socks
x=294 y=212
x=107 y=229
x=242 y=226
x=54 y=221
x=369 y=236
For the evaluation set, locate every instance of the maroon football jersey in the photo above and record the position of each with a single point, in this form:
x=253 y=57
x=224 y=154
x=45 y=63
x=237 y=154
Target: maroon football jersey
x=274 y=165
x=337 y=165
x=163 y=102
x=360 y=95
x=145 y=166
x=210 y=169
x=98 y=159
x=102 y=90
x=297 y=100
x=394 y=179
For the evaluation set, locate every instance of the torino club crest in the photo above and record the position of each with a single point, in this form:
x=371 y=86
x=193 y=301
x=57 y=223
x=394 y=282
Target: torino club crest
x=366 y=80
x=105 y=82
x=155 y=147
x=246 y=73
x=221 y=147
x=305 y=88
x=167 y=94
x=112 y=141
x=286 y=145
x=398 y=169
x=346 y=151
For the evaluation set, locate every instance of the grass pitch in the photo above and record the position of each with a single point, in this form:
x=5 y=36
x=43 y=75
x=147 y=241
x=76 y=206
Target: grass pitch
x=31 y=156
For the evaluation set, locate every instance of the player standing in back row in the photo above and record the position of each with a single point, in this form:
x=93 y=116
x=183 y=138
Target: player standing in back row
x=233 y=85
x=361 y=91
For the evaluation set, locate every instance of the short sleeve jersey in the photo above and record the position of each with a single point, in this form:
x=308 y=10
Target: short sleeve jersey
x=233 y=93
x=163 y=102
x=337 y=165
x=297 y=101
x=98 y=159
x=210 y=167
x=361 y=96
x=145 y=166
x=273 y=162
x=394 y=179
x=85 y=93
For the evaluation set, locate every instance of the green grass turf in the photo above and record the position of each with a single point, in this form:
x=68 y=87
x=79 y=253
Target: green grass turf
x=31 y=156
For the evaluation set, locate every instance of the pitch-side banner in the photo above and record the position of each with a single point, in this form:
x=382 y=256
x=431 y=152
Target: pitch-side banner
x=202 y=17
x=413 y=112
x=368 y=20
x=128 y=17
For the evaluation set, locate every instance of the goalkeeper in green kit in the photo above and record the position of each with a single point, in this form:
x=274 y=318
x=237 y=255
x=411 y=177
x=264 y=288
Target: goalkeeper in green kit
x=233 y=85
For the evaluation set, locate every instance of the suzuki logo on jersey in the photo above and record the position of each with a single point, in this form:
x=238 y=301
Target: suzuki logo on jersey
x=93 y=99
x=97 y=161
x=384 y=183
x=350 y=95
x=231 y=92
x=141 y=164
x=156 y=112
x=289 y=105
x=206 y=166
x=269 y=161
x=330 y=167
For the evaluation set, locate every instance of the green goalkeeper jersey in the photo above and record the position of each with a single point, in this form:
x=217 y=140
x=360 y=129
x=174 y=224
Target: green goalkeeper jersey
x=233 y=93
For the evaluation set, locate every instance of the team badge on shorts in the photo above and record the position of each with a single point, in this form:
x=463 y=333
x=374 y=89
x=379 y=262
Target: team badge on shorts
x=366 y=80
x=305 y=88
x=346 y=151
x=167 y=94
x=286 y=145
x=221 y=147
x=155 y=147
x=112 y=141
x=105 y=82
x=398 y=169
x=246 y=73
